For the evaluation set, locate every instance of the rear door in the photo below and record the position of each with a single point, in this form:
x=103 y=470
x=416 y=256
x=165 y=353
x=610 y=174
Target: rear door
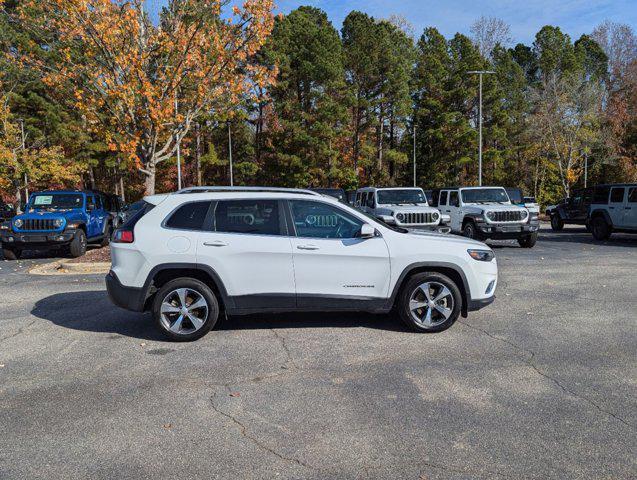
x=630 y=210
x=333 y=266
x=616 y=206
x=92 y=227
x=248 y=247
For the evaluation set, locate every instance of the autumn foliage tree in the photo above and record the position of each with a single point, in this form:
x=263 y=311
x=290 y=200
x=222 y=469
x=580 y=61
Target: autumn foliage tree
x=140 y=85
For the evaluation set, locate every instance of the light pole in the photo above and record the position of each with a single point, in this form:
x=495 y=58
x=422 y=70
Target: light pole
x=414 y=151
x=178 y=149
x=480 y=73
x=26 y=178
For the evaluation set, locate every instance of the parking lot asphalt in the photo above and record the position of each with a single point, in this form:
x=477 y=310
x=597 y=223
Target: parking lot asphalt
x=542 y=384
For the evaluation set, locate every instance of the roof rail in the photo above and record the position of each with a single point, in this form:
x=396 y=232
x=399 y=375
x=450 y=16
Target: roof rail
x=246 y=189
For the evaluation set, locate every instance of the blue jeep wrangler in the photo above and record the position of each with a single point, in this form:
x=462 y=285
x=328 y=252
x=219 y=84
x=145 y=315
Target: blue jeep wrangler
x=60 y=220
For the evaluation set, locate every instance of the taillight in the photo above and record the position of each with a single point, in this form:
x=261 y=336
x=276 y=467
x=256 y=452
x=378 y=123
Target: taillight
x=123 y=236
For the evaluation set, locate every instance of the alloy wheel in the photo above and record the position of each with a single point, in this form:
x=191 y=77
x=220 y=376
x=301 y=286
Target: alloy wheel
x=431 y=304
x=184 y=311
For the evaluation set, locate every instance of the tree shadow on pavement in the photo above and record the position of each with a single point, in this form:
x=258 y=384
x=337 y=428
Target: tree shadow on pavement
x=92 y=311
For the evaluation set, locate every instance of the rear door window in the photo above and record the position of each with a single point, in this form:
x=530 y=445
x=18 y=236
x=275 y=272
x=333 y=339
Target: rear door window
x=257 y=217
x=600 y=196
x=190 y=216
x=617 y=195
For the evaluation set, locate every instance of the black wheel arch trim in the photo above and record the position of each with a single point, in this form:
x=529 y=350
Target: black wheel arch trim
x=465 y=290
x=603 y=213
x=227 y=300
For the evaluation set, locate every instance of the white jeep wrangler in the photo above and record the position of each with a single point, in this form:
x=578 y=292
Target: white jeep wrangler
x=613 y=209
x=402 y=207
x=487 y=212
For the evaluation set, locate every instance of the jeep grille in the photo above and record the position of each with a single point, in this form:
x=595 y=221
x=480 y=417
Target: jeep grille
x=38 y=224
x=417 y=218
x=511 y=216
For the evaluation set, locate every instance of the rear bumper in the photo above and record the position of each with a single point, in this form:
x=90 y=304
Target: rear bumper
x=479 y=304
x=36 y=240
x=130 y=298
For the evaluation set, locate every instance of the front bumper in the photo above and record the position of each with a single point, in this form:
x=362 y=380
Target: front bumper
x=36 y=239
x=505 y=231
x=130 y=298
x=479 y=304
x=428 y=228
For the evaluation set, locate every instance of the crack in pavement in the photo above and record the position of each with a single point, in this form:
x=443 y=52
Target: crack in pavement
x=534 y=367
x=243 y=430
x=283 y=342
x=20 y=330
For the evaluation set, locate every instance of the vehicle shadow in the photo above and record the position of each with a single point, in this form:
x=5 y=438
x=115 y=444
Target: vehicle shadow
x=580 y=235
x=92 y=311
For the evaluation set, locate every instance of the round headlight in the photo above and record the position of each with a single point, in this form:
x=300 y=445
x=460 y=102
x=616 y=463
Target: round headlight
x=525 y=213
x=18 y=222
x=57 y=223
x=400 y=217
x=491 y=215
x=435 y=216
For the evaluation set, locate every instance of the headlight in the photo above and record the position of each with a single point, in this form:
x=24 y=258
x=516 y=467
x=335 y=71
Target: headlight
x=525 y=213
x=18 y=222
x=491 y=215
x=58 y=222
x=400 y=217
x=481 y=255
x=435 y=216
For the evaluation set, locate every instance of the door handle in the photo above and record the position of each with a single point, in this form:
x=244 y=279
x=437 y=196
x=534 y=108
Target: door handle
x=216 y=243
x=307 y=247
x=628 y=208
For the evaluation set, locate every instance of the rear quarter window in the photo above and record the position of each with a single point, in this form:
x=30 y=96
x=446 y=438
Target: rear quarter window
x=190 y=216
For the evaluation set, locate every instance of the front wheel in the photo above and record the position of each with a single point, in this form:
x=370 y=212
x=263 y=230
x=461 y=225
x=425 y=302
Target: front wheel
x=557 y=223
x=528 y=241
x=11 y=254
x=429 y=302
x=185 y=309
x=469 y=230
x=78 y=244
x=600 y=229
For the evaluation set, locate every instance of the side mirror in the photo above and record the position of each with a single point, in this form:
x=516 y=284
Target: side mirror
x=388 y=219
x=367 y=231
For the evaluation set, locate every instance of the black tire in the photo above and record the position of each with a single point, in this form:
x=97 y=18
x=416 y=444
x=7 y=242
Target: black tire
x=600 y=229
x=469 y=230
x=107 y=236
x=165 y=320
x=528 y=241
x=557 y=223
x=77 y=248
x=11 y=253
x=410 y=289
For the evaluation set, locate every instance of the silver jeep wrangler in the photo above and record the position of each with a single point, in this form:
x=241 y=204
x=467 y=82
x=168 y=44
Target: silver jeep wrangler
x=401 y=207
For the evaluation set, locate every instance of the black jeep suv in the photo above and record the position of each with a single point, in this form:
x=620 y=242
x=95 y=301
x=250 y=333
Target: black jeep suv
x=573 y=210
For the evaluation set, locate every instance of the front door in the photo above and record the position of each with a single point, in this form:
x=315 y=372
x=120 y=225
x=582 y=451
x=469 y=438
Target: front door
x=333 y=266
x=454 y=211
x=248 y=247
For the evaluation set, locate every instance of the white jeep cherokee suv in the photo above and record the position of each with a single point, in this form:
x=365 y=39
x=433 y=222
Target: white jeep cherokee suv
x=487 y=212
x=191 y=255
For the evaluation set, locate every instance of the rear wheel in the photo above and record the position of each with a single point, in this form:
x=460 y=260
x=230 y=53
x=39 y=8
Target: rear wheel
x=107 y=236
x=185 y=309
x=600 y=229
x=11 y=253
x=557 y=223
x=528 y=241
x=429 y=302
x=78 y=244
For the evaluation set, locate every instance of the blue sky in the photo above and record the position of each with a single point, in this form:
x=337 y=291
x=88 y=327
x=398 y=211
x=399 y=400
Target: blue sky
x=525 y=17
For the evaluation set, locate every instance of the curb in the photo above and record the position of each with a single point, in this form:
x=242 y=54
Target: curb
x=64 y=267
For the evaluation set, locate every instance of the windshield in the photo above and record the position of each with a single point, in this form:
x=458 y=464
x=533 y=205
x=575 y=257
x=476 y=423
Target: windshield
x=58 y=201
x=398 y=197
x=485 y=195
